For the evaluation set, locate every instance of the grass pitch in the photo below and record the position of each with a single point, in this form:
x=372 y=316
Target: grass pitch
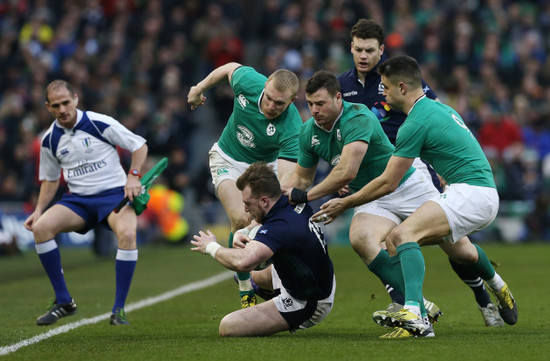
x=185 y=327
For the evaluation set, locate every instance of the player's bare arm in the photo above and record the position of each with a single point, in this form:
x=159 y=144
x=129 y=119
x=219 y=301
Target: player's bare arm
x=301 y=178
x=384 y=184
x=196 y=97
x=236 y=259
x=346 y=170
x=285 y=169
x=133 y=185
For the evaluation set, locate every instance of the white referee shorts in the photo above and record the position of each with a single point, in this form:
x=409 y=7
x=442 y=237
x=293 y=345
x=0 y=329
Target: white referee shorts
x=223 y=167
x=468 y=208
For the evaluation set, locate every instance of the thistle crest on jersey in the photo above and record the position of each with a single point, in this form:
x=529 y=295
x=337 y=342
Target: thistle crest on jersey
x=245 y=137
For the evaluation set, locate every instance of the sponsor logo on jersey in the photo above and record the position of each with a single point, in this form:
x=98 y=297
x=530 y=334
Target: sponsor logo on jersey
x=380 y=88
x=222 y=171
x=85 y=169
x=64 y=152
x=245 y=137
x=299 y=208
x=242 y=101
x=263 y=231
x=338 y=134
x=350 y=94
x=315 y=141
x=270 y=130
x=334 y=161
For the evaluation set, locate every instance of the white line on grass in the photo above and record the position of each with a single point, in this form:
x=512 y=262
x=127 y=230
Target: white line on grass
x=133 y=306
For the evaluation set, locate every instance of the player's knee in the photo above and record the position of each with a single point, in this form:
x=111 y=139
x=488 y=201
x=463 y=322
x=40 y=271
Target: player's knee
x=359 y=242
x=239 y=221
x=126 y=238
x=396 y=237
x=226 y=327
x=42 y=232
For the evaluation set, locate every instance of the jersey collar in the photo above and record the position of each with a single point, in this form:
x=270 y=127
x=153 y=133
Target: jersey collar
x=79 y=114
x=416 y=102
x=260 y=102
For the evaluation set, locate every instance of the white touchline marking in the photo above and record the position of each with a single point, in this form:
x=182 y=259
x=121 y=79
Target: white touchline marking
x=131 y=307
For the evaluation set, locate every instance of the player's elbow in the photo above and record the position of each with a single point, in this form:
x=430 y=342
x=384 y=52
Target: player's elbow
x=389 y=186
x=347 y=176
x=244 y=266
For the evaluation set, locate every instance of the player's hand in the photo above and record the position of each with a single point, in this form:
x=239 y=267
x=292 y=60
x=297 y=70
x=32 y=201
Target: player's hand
x=330 y=210
x=344 y=191
x=195 y=97
x=132 y=188
x=202 y=240
x=240 y=240
x=286 y=191
x=300 y=196
x=29 y=222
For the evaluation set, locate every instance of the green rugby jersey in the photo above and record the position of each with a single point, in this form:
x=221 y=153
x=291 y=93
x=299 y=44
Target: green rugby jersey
x=249 y=136
x=436 y=133
x=356 y=123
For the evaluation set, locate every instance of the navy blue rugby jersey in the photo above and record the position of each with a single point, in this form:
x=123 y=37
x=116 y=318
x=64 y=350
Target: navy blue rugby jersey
x=300 y=251
x=371 y=95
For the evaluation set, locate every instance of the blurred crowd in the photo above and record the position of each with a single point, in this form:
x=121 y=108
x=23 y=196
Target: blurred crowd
x=135 y=60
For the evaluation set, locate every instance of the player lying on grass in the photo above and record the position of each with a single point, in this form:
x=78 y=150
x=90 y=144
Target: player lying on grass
x=288 y=238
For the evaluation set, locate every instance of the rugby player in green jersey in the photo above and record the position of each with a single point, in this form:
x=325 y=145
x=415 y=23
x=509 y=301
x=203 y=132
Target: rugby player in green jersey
x=436 y=133
x=349 y=137
x=362 y=84
x=263 y=126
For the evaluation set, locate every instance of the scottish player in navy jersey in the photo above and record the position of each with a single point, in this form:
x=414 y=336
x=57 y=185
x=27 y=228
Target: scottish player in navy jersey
x=301 y=268
x=82 y=145
x=362 y=84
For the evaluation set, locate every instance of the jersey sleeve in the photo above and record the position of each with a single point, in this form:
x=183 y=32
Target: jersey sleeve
x=117 y=134
x=358 y=128
x=49 y=168
x=307 y=158
x=410 y=139
x=246 y=80
x=271 y=236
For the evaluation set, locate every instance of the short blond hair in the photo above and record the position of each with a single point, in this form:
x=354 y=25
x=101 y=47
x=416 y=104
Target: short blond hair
x=284 y=80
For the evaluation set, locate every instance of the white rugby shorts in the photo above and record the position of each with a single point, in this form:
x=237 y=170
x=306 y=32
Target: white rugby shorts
x=468 y=208
x=223 y=167
x=402 y=202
